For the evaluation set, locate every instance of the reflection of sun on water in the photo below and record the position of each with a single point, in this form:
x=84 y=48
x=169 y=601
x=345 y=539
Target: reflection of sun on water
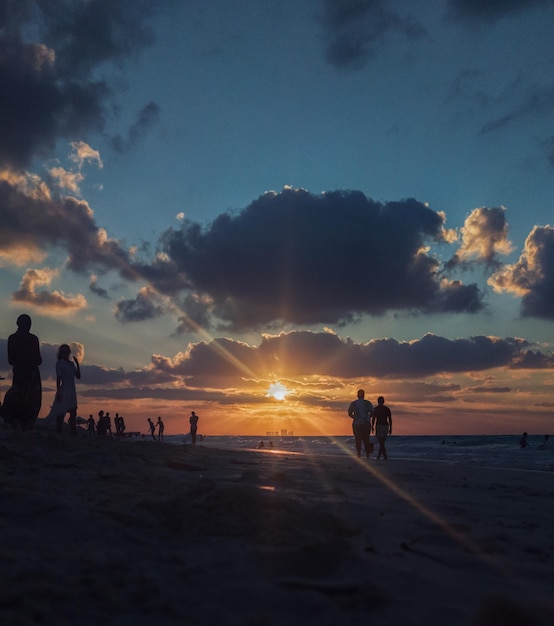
x=277 y=390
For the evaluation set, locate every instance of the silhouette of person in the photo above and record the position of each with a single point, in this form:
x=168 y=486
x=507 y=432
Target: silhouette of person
x=66 y=395
x=23 y=400
x=523 y=443
x=544 y=443
x=360 y=411
x=160 y=425
x=152 y=428
x=382 y=422
x=108 y=420
x=90 y=425
x=121 y=425
x=101 y=424
x=193 y=419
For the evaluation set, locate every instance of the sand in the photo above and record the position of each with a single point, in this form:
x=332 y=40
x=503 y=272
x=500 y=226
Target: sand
x=104 y=531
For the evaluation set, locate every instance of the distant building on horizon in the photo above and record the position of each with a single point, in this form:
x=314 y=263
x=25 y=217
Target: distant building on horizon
x=275 y=433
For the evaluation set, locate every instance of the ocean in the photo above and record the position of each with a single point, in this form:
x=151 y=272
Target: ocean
x=501 y=451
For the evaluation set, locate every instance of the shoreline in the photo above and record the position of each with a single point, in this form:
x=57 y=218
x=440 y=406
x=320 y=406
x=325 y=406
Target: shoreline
x=196 y=535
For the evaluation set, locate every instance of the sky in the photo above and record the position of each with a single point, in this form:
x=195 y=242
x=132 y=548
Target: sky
x=253 y=209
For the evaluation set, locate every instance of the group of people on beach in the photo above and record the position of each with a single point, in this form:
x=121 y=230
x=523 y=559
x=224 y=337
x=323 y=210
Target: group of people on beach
x=367 y=419
x=159 y=425
x=103 y=426
x=23 y=399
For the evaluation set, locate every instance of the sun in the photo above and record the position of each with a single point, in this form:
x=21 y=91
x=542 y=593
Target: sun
x=277 y=390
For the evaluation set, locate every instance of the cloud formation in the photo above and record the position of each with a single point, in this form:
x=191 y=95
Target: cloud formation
x=295 y=257
x=484 y=237
x=356 y=29
x=532 y=276
x=51 y=301
x=58 y=72
x=145 y=306
x=305 y=353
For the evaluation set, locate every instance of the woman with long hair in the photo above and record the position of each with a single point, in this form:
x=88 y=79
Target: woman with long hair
x=66 y=395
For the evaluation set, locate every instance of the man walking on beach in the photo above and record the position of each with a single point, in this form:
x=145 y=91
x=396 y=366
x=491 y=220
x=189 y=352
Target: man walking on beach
x=361 y=411
x=382 y=422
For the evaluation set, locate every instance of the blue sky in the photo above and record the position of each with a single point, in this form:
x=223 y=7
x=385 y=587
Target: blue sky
x=203 y=196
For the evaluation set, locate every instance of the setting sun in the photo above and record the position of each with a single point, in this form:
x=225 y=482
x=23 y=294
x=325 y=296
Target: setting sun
x=277 y=390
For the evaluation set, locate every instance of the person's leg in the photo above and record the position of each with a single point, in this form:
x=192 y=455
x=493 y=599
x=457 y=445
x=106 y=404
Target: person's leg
x=59 y=423
x=367 y=444
x=381 y=441
x=73 y=422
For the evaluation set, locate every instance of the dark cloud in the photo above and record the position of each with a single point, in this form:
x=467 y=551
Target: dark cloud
x=50 y=88
x=149 y=115
x=97 y=290
x=538 y=103
x=356 y=29
x=37 y=222
x=195 y=314
x=295 y=257
x=145 y=306
x=492 y=10
x=532 y=276
x=304 y=353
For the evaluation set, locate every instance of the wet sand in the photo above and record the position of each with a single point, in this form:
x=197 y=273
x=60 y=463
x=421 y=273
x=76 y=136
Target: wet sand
x=127 y=532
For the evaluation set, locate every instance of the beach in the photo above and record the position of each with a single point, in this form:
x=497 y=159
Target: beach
x=102 y=530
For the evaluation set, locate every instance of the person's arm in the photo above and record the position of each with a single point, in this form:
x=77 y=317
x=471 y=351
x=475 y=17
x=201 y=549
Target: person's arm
x=390 y=423
x=351 y=411
x=78 y=372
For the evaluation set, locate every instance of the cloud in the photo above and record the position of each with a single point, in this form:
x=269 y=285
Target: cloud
x=356 y=29
x=532 y=276
x=484 y=237
x=538 y=103
x=83 y=153
x=492 y=10
x=49 y=302
x=148 y=116
x=50 y=88
x=294 y=257
x=96 y=289
x=40 y=222
x=145 y=306
x=305 y=353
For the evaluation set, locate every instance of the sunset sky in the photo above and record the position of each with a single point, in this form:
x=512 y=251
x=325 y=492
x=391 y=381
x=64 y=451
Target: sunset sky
x=251 y=209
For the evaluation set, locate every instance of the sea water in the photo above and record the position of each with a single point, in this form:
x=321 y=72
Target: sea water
x=483 y=450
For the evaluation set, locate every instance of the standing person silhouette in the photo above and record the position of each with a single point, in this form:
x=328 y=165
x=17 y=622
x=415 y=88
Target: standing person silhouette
x=361 y=411
x=66 y=395
x=160 y=425
x=152 y=427
x=382 y=422
x=193 y=419
x=23 y=400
